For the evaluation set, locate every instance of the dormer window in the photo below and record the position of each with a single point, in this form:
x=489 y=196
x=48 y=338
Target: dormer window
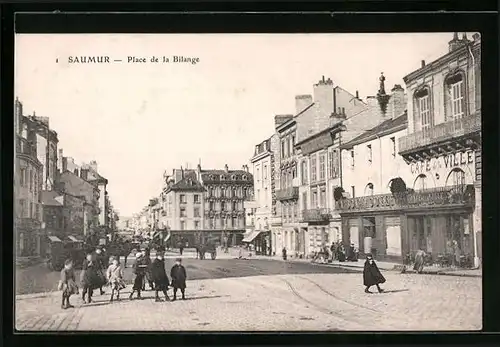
x=211 y=177
x=222 y=177
x=244 y=177
x=233 y=177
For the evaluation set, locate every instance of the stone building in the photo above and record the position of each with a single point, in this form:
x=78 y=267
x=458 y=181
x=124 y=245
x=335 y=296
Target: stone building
x=436 y=204
x=28 y=178
x=259 y=211
x=91 y=175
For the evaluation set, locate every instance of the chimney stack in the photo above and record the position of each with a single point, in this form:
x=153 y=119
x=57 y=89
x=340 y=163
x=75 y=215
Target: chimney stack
x=301 y=102
x=422 y=63
x=226 y=168
x=357 y=94
x=397 y=102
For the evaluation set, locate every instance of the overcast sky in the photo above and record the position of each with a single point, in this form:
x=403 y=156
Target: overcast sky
x=136 y=120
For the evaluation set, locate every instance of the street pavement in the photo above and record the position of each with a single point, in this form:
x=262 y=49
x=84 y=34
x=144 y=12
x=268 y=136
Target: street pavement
x=292 y=301
x=39 y=279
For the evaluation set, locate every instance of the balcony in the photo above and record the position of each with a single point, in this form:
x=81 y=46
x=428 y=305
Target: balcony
x=290 y=193
x=464 y=132
x=428 y=198
x=275 y=221
x=23 y=146
x=316 y=215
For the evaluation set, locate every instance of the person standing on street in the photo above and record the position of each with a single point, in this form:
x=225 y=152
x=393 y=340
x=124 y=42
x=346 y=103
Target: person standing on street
x=419 y=261
x=146 y=259
x=114 y=275
x=67 y=283
x=160 y=278
x=139 y=271
x=179 y=276
x=89 y=278
x=372 y=275
x=181 y=247
x=102 y=265
x=283 y=253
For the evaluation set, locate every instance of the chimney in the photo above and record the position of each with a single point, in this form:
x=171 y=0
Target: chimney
x=64 y=164
x=246 y=167
x=454 y=43
x=93 y=165
x=357 y=94
x=84 y=174
x=281 y=118
x=226 y=168
x=324 y=96
x=301 y=102
x=422 y=63
x=397 y=103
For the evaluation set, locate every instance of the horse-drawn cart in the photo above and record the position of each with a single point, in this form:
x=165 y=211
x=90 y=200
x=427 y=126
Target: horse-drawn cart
x=206 y=245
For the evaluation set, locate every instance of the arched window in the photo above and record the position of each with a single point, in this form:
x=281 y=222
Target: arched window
x=369 y=189
x=420 y=182
x=456 y=178
x=245 y=192
x=454 y=95
x=235 y=193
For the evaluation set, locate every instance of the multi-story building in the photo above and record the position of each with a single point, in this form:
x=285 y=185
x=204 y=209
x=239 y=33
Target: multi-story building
x=436 y=207
x=30 y=237
x=183 y=206
x=92 y=175
x=37 y=130
x=259 y=211
x=225 y=193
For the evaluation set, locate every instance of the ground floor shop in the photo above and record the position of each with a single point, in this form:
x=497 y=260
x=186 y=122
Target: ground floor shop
x=259 y=241
x=30 y=238
x=190 y=238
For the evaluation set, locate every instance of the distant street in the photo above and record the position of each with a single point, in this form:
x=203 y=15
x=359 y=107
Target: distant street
x=39 y=278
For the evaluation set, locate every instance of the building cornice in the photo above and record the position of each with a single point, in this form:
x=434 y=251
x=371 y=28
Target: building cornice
x=372 y=137
x=287 y=125
x=260 y=156
x=463 y=50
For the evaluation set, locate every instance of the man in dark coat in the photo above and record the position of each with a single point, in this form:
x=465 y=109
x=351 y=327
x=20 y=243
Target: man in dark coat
x=159 y=277
x=146 y=259
x=372 y=275
x=89 y=277
x=283 y=253
x=139 y=270
x=102 y=266
x=179 y=276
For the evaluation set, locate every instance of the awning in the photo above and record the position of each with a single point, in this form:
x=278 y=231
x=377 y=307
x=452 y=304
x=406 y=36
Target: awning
x=54 y=238
x=74 y=239
x=252 y=236
x=167 y=237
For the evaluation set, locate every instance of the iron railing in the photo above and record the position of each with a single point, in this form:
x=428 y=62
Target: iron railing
x=316 y=215
x=287 y=193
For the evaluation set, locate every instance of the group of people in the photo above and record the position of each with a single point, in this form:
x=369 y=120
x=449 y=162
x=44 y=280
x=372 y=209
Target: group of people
x=337 y=251
x=99 y=269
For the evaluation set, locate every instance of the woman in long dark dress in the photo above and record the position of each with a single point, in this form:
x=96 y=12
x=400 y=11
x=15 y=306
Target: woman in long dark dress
x=159 y=277
x=372 y=275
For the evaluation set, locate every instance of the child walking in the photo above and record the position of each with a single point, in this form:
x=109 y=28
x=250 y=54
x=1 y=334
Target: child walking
x=178 y=274
x=67 y=283
x=139 y=271
x=114 y=274
x=159 y=277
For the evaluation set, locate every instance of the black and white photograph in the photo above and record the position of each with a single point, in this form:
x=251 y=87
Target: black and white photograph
x=248 y=182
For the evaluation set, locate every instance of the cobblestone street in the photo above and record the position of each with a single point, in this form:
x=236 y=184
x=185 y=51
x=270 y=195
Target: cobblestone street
x=281 y=302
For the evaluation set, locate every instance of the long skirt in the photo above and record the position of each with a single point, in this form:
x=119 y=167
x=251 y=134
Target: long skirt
x=138 y=282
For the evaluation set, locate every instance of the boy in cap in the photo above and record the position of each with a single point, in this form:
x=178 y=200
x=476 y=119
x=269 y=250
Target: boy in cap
x=178 y=275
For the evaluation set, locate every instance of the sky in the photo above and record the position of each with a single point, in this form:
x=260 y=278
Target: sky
x=139 y=119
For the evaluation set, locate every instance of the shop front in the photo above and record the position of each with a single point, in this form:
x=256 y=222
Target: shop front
x=29 y=241
x=437 y=221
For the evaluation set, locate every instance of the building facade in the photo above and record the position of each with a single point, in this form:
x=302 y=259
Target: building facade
x=92 y=175
x=433 y=203
x=259 y=211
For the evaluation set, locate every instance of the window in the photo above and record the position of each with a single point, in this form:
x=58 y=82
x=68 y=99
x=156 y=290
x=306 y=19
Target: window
x=22 y=208
x=420 y=182
x=369 y=189
x=289 y=146
x=235 y=193
x=322 y=198
x=352 y=157
x=222 y=192
x=258 y=174
x=457 y=98
x=211 y=205
x=183 y=212
x=196 y=225
x=322 y=167
x=314 y=199
x=234 y=206
x=196 y=212
x=210 y=192
x=234 y=222
x=293 y=144
x=223 y=223
x=31 y=211
x=22 y=178
x=196 y=198
x=370 y=153
x=304 y=200
x=245 y=192
x=456 y=178
x=353 y=191
x=223 y=206
x=182 y=198
x=424 y=112
x=264 y=172
x=31 y=180
x=282 y=148
x=183 y=225
x=304 y=172
x=393 y=146
x=313 y=168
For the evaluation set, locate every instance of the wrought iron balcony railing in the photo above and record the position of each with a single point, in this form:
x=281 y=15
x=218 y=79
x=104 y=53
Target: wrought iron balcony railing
x=441 y=132
x=316 y=215
x=444 y=196
x=289 y=193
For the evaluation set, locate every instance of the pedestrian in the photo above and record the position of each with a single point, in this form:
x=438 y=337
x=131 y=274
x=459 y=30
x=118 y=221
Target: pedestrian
x=67 y=283
x=160 y=278
x=102 y=264
x=181 y=247
x=114 y=275
x=146 y=259
x=372 y=275
x=89 y=278
x=341 y=253
x=456 y=254
x=283 y=253
x=419 y=261
x=333 y=251
x=179 y=276
x=139 y=270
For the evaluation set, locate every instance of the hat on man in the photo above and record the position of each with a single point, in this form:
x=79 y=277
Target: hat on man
x=138 y=255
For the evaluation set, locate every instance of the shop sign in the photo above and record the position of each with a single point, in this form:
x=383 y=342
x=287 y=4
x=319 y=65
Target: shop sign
x=448 y=161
